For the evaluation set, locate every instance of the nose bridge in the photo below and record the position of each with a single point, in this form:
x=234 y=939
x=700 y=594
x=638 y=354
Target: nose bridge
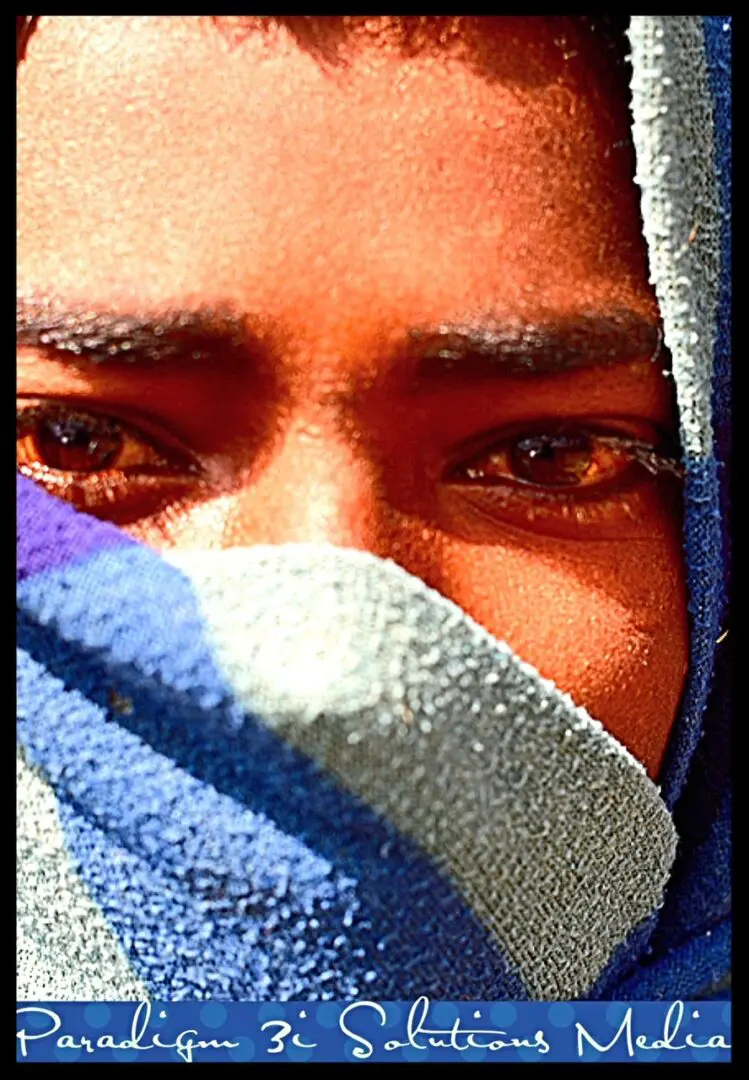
x=319 y=486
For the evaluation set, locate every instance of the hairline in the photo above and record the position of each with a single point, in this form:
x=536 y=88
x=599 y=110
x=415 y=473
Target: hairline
x=322 y=35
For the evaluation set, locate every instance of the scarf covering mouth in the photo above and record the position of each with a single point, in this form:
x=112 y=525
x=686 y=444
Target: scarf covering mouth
x=392 y=803
x=447 y=778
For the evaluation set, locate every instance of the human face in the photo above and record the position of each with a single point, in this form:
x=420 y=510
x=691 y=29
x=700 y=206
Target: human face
x=334 y=302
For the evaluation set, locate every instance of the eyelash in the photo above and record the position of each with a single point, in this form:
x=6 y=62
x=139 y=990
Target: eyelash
x=169 y=475
x=110 y=492
x=642 y=454
x=625 y=507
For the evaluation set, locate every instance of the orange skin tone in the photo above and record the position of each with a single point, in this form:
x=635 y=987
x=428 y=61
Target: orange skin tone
x=337 y=208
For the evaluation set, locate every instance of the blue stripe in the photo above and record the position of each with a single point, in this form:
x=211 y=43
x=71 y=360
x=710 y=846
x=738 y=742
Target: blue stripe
x=218 y=851
x=719 y=61
x=688 y=972
x=707 y=482
x=692 y=940
x=706 y=605
x=718 y=52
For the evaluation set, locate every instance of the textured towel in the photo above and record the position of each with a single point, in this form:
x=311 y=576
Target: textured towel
x=204 y=813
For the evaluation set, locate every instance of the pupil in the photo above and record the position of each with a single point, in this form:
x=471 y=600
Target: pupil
x=553 y=460
x=78 y=444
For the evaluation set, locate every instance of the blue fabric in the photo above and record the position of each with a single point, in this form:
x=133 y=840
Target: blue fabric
x=226 y=839
x=707 y=482
x=249 y=856
x=248 y=891
x=690 y=950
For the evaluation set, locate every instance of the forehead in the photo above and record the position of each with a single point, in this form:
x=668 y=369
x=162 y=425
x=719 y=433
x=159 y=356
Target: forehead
x=158 y=158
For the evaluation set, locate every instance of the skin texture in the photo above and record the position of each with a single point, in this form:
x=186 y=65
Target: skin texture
x=330 y=209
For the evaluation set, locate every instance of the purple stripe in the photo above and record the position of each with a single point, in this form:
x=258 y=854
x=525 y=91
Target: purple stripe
x=51 y=534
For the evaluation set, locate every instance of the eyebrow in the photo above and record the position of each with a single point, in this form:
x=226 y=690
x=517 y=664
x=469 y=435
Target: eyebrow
x=540 y=347
x=485 y=347
x=85 y=337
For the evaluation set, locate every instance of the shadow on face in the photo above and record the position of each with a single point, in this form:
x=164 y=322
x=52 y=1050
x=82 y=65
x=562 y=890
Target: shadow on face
x=384 y=287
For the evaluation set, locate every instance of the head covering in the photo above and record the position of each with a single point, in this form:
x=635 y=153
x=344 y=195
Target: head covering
x=681 y=105
x=299 y=773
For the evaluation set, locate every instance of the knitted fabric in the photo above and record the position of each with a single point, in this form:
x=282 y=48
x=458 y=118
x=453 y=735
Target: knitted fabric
x=299 y=773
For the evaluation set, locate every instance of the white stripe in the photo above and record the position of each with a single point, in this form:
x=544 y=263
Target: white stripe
x=549 y=827
x=65 y=949
x=673 y=138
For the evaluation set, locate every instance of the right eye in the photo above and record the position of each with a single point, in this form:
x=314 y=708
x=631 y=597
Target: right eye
x=97 y=462
x=70 y=441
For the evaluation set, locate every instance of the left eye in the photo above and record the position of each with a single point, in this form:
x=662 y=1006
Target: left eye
x=66 y=440
x=557 y=460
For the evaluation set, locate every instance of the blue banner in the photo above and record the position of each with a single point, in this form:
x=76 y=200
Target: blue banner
x=363 y=1031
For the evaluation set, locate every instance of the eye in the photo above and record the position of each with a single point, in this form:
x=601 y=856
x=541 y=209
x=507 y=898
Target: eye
x=570 y=481
x=557 y=460
x=103 y=465
x=66 y=440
